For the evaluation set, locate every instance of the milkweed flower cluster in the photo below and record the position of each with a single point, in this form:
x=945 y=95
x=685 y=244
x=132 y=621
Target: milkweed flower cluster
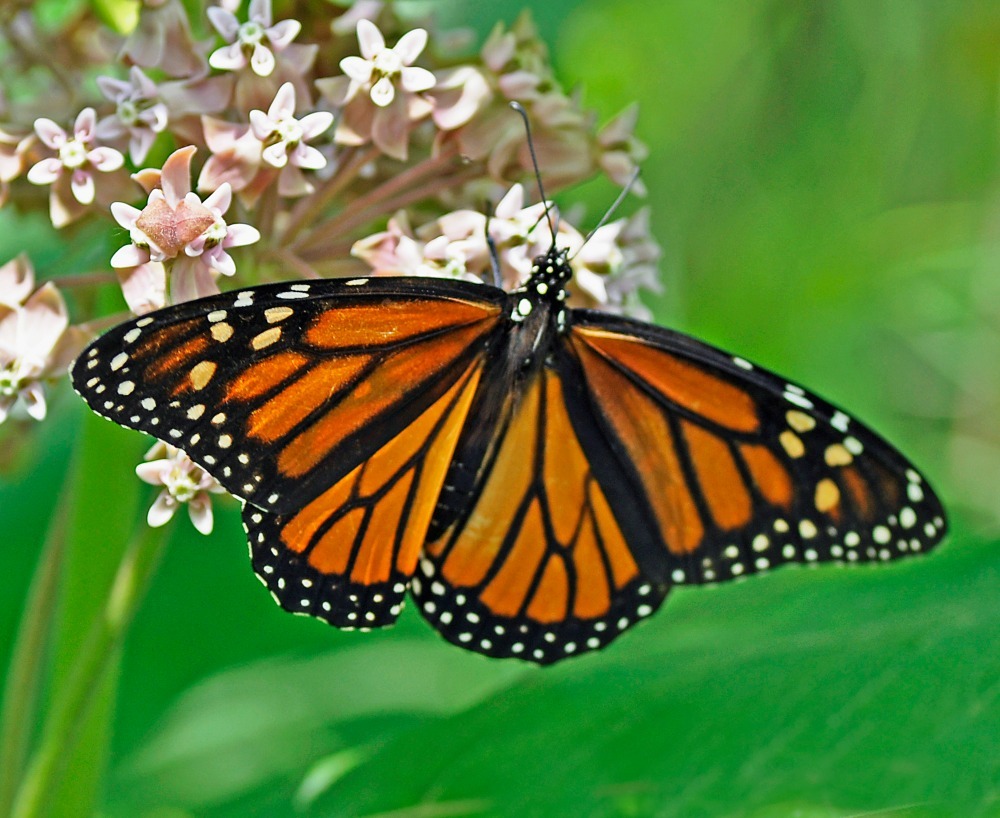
x=230 y=144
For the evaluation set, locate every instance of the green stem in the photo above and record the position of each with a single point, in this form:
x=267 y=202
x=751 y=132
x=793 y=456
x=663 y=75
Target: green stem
x=27 y=667
x=69 y=707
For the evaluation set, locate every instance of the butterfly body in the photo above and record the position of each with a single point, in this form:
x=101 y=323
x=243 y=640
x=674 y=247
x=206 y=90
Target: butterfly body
x=536 y=477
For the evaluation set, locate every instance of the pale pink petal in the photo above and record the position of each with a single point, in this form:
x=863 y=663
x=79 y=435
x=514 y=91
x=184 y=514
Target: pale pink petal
x=105 y=159
x=156 y=117
x=383 y=92
x=221 y=262
x=293 y=183
x=410 y=45
x=144 y=287
x=276 y=155
x=391 y=129
x=82 y=183
x=33 y=397
x=261 y=124
x=50 y=133
x=370 y=39
x=161 y=512
x=338 y=90
x=228 y=58
x=114 y=89
x=175 y=178
x=41 y=322
x=415 y=79
x=308 y=157
x=220 y=199
x=45 y=172
x=314 y=124
x=459 y=95
x=139 y=143
x=200 y=512
x=129 y=256
x=224 y=22
x=262 y=61
x=154 y=472
x=283 y=106
x=191 y=278
x=238 y=235
x=9 y=320
x=6 y=404
x=260 y=12
x=143 y=84
x=66 y=350
x=17 y=280
x=109 y=128
x=356 y=68
x=281 y=34
x=86 y=121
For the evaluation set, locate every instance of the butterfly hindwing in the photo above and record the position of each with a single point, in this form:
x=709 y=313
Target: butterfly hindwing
x=537 y=566
x=736 y=469
x=348 y=554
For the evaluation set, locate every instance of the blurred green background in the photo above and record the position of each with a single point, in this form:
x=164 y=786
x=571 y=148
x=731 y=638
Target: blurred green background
x=824 y=181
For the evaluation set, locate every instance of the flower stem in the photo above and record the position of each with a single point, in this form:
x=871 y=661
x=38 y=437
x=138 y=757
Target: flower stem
x=70 y=706
x=374 y=201
x=333 y=231
x=25 y=676
x=306 y=211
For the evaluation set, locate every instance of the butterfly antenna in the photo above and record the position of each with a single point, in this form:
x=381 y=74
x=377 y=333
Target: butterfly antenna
x=534 y=162
x=611 y=210
x=494 y=255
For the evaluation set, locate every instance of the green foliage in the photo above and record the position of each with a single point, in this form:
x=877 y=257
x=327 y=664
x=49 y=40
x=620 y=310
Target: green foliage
x=823 y=177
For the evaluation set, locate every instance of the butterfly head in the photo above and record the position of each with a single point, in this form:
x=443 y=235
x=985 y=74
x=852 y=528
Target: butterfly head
x=550 y=273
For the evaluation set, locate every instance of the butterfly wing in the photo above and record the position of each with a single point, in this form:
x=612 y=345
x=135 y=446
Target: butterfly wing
x=640 y=458
x=734 y=468
x=332 y=408
x=536 y=566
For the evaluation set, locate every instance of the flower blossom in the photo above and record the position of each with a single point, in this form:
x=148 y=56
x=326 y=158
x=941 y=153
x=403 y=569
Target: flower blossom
x=78 y=158
x=254 y=41
x=609 y=268
x=381 y=92
x=13 y=158
x=249 y=157
x=178 y=228
x=139 y=112
x=37 y=342
x=183 y=481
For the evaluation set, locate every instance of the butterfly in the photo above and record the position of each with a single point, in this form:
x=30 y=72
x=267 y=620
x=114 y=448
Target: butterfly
x=537 y=477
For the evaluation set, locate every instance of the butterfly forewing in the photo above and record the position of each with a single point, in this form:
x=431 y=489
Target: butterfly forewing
x=347 y=555
x=282 y=390
x=738 y=470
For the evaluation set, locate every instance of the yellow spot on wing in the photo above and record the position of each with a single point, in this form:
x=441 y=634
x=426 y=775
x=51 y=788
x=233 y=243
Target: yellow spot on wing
x=792 y=443
x=800 y=421
x=201 y=373
x=276 y=314
x=222 y=332
x=837 y=455
x=266 y=338
x=827 y=495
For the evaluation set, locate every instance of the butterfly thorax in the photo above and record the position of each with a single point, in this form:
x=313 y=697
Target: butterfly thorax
x=539 y=305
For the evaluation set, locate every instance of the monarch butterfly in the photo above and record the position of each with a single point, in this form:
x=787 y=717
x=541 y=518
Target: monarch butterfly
x=538 y=477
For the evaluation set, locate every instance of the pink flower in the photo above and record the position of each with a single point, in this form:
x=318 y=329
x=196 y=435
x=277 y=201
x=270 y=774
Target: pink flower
x=139 y=112
x=178 y=228
x=13 y=155
x=163 y=40
x=284 y=137
x=183 y=481
x=36 y=341
x=381 y=92
x=78 y=156
x=254 y=41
